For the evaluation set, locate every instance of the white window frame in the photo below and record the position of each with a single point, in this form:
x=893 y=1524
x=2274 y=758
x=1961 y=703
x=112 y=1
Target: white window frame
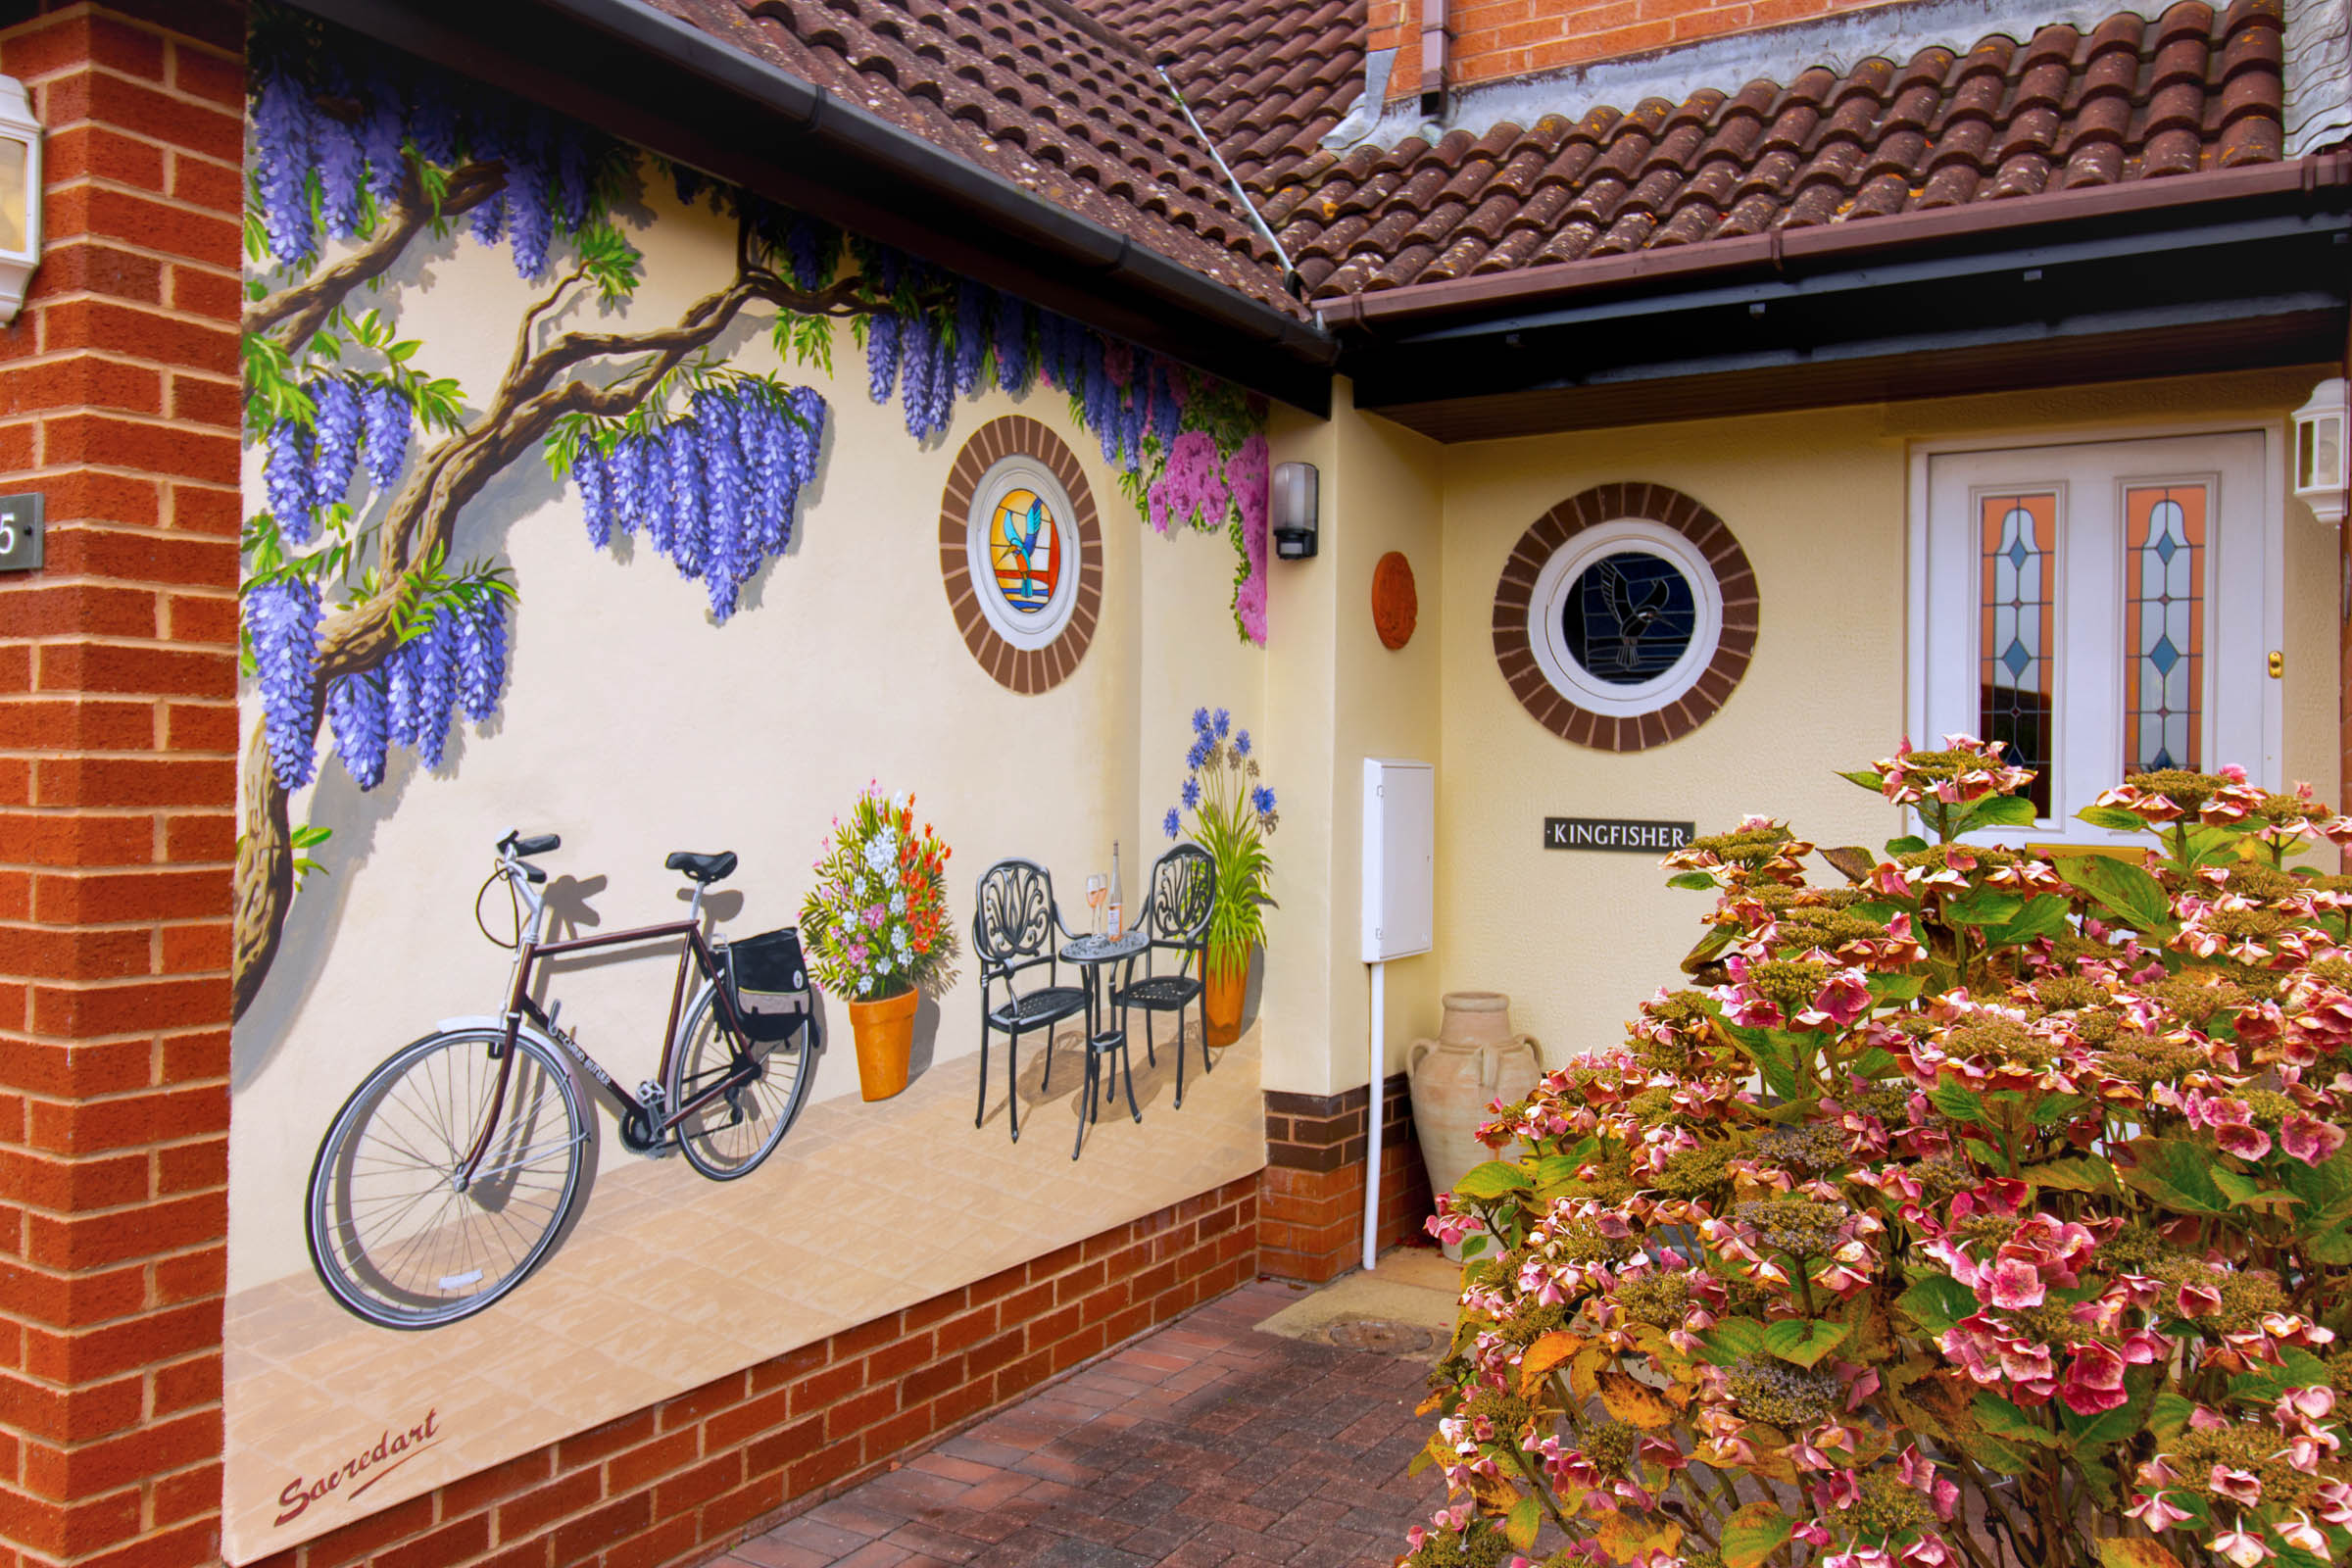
x=1927 y=728
x=1018 y=471
x=1559 y=575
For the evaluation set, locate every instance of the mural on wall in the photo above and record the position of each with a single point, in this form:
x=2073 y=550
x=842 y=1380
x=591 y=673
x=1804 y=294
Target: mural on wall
x=480 y=337
x=360 y=613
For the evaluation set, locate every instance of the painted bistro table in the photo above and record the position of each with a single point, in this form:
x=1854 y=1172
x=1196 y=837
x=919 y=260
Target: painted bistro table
x=1092 y=955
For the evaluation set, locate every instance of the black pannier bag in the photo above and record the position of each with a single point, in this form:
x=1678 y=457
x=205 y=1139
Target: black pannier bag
x=769 y=982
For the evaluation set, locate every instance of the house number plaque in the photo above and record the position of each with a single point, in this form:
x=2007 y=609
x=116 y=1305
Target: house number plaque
x=1616 y=833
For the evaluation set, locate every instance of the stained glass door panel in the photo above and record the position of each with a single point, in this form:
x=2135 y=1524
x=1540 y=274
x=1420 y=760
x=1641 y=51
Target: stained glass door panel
x=2164 y=626
x=2017 y=631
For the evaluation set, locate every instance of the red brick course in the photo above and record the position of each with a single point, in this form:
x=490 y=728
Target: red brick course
x=1311 y=1209
x=687 y=1478
x=119 y=392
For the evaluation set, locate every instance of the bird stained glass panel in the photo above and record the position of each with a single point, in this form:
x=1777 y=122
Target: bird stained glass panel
x=1024 y=550
x=2164 y=626
x=1629 y=617
x=2017 y=610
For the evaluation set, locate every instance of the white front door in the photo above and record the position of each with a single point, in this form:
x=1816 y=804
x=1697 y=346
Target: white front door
x=2106 y=608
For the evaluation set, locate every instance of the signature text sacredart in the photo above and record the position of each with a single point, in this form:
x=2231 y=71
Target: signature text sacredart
x=392 y=1450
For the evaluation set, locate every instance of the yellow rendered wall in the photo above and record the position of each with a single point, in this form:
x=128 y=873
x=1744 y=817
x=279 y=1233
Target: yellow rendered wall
x=1818 y=501
x=1335 y=688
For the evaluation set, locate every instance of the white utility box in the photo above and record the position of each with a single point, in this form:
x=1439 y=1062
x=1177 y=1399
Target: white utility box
x=1401 y=833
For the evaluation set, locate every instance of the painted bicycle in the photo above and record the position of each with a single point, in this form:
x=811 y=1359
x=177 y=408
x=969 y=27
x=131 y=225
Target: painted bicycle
x=455 y=1167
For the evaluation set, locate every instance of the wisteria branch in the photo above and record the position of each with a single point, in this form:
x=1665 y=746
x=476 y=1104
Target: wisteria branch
x=541 y=387
x=296 y=311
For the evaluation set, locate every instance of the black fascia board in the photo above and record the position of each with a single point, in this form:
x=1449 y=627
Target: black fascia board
x=2277 y=261
x=646 y=77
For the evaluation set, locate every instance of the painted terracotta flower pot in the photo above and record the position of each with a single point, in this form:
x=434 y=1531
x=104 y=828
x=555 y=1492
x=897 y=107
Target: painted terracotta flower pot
x=1228 y=984
x=884 y=1031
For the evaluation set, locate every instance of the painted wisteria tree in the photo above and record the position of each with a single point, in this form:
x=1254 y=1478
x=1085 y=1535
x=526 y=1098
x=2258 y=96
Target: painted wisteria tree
x=367 y=632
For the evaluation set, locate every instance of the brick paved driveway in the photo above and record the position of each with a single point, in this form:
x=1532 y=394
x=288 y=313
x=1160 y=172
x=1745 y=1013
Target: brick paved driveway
x=1207 y=1444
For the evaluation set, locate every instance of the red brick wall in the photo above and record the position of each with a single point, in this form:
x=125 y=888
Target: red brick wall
x=1311 y=1212
x=1496 y=39
x=691 y=1475
x=118 y=400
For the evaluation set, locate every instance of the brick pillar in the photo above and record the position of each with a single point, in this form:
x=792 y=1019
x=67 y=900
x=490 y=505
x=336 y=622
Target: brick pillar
x=1311 y=1206
x=117 y=727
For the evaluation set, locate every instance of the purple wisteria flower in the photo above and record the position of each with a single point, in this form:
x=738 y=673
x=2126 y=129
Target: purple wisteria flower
x=436 y=678
x=914 y=376
x=686 y=542
x=433 y=120
x=286 y=481
x=881 y=357
x=355 y=710
x=729 y=558
x=628 y=469
x=972 y=334
x=386 y=415
x=480 y=652
x=282 y=619
x=381 y=136
x=811 y=246
x=1012 y=343
x=589 y=472
x=336 y=455
x=282 y=159
x=342 y=163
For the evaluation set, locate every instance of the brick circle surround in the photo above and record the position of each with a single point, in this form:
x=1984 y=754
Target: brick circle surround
x=1027 y=670
x=1513 y=592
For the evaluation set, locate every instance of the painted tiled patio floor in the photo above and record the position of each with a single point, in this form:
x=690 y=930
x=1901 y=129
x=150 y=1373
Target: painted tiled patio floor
x=1207 y=1445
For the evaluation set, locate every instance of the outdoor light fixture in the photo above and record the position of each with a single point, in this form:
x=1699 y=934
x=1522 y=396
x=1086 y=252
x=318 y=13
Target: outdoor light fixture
x=2320 y=452
x=20 y=196
x=1294 y=510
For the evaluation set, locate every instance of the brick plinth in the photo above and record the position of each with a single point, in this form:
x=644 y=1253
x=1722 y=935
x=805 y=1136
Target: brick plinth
x=119 y=403
x=684 y=1478
x=1311 y=1214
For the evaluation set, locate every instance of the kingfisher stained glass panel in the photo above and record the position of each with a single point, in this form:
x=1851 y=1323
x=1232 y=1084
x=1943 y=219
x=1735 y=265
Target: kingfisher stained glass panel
x=1024 y=547
x=1629 y=617
x=2164 y=626
x=2016 y=630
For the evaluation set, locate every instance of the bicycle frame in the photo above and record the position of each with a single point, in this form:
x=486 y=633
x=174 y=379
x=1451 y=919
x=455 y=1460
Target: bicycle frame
x=531 y=951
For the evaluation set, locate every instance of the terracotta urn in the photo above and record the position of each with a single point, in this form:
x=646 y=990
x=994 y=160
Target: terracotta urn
x=1227 y=985
x=1474 y=1062
x=884 y=1032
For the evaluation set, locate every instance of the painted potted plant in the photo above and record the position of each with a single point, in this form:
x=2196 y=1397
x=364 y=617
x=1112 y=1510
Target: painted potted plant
x=876 y=929
x=1232 y=815
x=1981 y=1207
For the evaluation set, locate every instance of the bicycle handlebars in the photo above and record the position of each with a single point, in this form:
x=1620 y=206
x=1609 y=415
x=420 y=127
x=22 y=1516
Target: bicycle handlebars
x=515 y=847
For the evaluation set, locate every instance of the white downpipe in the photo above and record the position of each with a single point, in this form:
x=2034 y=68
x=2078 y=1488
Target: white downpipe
x=1380 y=1062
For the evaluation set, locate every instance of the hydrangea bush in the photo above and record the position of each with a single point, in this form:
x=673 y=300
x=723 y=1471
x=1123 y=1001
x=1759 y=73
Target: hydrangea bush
x=1971 y=1207
x=875 y=923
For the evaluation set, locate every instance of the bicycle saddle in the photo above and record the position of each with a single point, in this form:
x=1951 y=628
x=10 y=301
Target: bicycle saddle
x=704 y=869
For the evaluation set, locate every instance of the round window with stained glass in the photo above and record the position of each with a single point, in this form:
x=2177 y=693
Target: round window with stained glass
x=1625 y=616
x=1022 y=551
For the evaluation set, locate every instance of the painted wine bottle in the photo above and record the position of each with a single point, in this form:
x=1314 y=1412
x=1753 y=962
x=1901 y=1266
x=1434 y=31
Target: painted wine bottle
x=1118 y=897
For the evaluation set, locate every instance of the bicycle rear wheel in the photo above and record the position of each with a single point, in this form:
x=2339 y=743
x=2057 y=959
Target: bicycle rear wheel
x=393 y=1238
x=730 y=1136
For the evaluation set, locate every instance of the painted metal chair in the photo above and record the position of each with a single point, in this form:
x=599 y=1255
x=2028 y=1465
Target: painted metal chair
x=1184 y=894
x=1017 y=926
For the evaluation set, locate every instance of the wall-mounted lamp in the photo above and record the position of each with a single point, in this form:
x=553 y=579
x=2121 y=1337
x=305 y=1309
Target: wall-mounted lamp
x=20 y=196
x=1293 y=510
x=2320 y=452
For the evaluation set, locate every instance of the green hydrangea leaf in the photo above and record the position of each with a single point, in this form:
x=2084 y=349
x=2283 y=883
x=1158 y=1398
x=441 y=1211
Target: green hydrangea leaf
x=1997 y=810
x=2127 y=892
x=1754 y=1533
x=2114 y=819
x=1804 y=1341
x=1493 y=1180
x=1698 y=881
x=1936 y=1302
x=2174 y=1172
x=1731 y=1340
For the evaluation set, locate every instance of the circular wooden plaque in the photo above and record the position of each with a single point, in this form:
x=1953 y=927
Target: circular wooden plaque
x=1396 y=607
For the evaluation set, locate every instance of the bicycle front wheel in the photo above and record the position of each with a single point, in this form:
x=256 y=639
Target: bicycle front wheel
x=394 y=1238
x=740 y=1126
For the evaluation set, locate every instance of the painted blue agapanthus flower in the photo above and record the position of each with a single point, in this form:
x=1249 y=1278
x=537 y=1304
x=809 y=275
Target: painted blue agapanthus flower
x=1200 y=720
x=1261 y=800
x=1197 y=758
x=1172 y=824
x=1222 y=722
x=1190 y=793
x=1241 y=741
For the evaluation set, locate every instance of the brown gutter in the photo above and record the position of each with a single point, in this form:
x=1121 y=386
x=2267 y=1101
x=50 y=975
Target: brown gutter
x=1776 y=248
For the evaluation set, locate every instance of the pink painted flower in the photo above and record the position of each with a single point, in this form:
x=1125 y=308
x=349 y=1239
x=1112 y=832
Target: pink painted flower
x=2240 y=1486
x=2094 y=1381
x=2154 y=1513
x=2240 y=1547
